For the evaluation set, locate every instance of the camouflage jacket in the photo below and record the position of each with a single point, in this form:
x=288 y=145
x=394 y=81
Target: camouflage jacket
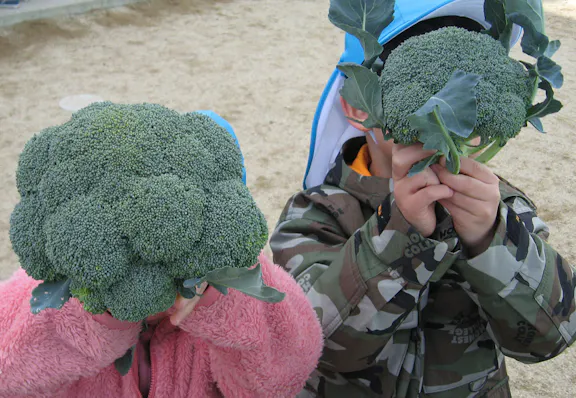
x=408 y=316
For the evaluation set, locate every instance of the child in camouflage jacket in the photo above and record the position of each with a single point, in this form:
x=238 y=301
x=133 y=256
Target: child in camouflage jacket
x=422 y=284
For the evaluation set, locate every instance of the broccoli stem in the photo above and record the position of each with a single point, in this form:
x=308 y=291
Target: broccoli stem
x=468 y=150
x=453 y=150
x=490 y=152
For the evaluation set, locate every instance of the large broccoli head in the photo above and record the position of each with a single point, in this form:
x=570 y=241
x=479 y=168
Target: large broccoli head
x=127 y=201
x=422 y=65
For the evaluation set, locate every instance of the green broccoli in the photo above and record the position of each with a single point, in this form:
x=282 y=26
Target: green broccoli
x=126 y=202
x=422 y=65
x=451 y=86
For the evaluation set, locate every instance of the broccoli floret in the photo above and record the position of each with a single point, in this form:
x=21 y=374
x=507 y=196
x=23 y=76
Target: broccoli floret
x=166 y=217
x=28 y=239
x=422 y=65
x=126 y=192
x=84 y=242
x=147 y=289
x=234 y=232
x=91 y=300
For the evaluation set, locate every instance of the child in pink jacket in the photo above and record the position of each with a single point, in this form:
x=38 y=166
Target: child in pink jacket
x=227 y=346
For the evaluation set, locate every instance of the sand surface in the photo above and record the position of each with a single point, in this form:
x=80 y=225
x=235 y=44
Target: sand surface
x=262 y=65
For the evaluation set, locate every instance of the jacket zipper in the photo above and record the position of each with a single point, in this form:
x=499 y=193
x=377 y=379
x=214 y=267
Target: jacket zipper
x=135 y=379
x=152 y=389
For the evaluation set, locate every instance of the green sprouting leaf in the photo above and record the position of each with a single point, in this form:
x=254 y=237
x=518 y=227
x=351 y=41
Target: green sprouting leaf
x=372 y=16
x=434 y=135
x=50 y=295
x=537 y=123
x=421 y=165
x=532 y=9
x=550 y=71
x=372 y=49
x=362 y=90
x=247 y=281
x=553 y=46
x=456 y=103
x=124 y=363
x=495 y=15
x=501 y=28
x=548 y=106
x=533 y=42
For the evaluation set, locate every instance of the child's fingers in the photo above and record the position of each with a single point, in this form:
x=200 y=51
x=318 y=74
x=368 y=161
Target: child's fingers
x=421 y=180
x=431 y=194
x=469 y=206
x=455 y=211
x=475 y=169
x=464 y=184
x=183 y=308
x=404 y=157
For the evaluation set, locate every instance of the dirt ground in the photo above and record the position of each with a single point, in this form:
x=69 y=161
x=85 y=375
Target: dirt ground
x=262 y=65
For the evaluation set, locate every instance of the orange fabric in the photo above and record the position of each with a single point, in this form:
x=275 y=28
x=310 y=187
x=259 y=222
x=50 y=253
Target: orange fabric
x=362 y=162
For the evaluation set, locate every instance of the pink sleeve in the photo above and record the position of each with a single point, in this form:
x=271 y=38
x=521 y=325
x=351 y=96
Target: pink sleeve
x=40 y=354
x=259 y=349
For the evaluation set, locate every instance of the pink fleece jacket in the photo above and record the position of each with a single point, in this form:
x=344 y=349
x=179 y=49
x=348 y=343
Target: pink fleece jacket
x=230 y=346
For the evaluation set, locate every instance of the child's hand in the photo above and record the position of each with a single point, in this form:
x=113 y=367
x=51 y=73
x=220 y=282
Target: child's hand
x=185 y=306
x=475 y=202
x=416 y=196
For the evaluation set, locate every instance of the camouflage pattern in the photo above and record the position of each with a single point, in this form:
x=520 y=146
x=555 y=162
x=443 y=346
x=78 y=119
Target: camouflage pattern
x=408 y=316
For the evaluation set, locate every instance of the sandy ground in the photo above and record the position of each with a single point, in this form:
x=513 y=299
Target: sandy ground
x=262 y=65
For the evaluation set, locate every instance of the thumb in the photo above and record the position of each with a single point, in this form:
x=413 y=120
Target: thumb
x=183 y=308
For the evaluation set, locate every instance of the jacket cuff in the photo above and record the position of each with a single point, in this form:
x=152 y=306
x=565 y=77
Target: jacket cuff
x=492 y=270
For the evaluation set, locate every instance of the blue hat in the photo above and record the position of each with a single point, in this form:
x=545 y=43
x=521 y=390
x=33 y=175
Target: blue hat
x=330 y=128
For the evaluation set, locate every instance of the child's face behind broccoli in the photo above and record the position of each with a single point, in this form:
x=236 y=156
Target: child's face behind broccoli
x=472 y=197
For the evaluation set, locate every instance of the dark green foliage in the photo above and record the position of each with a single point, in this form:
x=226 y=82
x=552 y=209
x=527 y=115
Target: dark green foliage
x=422 y=65
x=249 y=281
x=364 y=19
x=126 y=201
x=50 y=295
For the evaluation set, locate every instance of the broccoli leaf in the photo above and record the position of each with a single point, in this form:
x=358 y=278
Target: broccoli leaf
x=532 y=9
x=362 y=90
x=456 y=103
x=550 y=71
x=421 y=165
x=372 y=49
x=500 y=29
x=553 y=46
x=371 y=16
x=537 y=123
x=247 y=281
x=364 y=19
x=50 y=295
x=548 y=106
x=124 y=363
x=533 y=42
